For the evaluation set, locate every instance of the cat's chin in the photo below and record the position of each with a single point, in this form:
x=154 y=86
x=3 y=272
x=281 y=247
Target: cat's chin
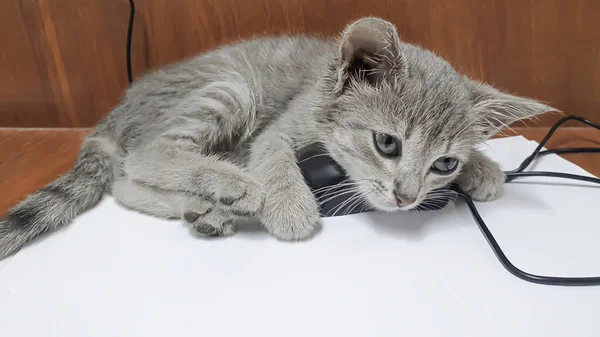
x=396 y=209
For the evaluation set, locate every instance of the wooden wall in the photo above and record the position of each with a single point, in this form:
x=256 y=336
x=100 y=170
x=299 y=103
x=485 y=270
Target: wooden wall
x=62 y=62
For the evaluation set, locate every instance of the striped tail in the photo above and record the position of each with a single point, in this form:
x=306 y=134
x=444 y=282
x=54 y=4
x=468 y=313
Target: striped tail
x=58 y=203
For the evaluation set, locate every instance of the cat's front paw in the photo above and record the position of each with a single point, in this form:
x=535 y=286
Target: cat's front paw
x=239 y=194
x=482 y=180
x=291 y=214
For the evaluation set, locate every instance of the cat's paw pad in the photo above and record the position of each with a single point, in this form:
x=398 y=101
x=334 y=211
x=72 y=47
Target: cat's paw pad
x=206 y=229
x=242 y=197
x=211 y=222
x=484 y=184
x=291 y=218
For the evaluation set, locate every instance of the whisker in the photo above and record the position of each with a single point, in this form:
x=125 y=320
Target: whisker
x=434 y=203
x=354 y=201
x=430 y=203
x=362 y=199
x=364 y=207
x=328 y=192
x=336 y=208
x=334 y=188
x=335 y=196
x=341 y=206
x=342 y=183
x=314 y=156
x=441 y=196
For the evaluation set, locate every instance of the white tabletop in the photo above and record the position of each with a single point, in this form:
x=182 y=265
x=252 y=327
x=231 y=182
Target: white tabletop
x=118 y=273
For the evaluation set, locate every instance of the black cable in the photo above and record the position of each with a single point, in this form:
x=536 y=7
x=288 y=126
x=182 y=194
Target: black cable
x=513 y=176
x=129 y=35
x=555 y=127
x=570 y=150
x=518 y=173
x=547 y=280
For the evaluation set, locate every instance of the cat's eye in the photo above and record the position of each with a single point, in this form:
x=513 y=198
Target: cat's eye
x=386 y=145
x=444 y=165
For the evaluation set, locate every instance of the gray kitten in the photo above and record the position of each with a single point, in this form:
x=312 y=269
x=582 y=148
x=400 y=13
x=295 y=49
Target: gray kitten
x=214 y=139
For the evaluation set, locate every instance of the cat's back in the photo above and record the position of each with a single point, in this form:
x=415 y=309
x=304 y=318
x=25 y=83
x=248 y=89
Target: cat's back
x=281 y=60
x=281 y=68
x=276 y=68
x=272 y=70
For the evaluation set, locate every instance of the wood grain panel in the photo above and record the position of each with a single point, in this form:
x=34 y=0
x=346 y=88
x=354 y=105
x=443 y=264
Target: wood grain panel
x=63 y=62
x=65 y=66
x=32 y=158
x=25 y=91
x=548 y=49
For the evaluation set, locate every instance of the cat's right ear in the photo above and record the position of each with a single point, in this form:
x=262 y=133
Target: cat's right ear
x=495 y=110
x=370 y=50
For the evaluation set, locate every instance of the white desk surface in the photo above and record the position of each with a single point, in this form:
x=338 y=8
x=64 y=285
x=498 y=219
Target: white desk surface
x=118 y=273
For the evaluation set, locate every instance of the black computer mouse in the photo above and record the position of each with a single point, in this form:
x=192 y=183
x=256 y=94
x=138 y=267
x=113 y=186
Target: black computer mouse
x=324 y=176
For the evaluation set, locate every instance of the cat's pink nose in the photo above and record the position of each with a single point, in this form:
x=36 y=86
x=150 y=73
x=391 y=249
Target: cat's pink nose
x=402 y=201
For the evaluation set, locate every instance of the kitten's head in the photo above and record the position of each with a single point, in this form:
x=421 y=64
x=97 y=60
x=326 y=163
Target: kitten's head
x=401 y=121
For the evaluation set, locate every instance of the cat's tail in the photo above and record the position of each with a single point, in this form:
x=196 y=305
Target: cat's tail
x=56 y=204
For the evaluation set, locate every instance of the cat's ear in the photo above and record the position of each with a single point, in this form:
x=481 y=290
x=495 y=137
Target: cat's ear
x=369 y=50
x=495 y=110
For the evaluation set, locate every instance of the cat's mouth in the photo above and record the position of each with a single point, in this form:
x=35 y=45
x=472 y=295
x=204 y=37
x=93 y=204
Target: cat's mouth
x=409 y=206
x=433 y=200
x=388 y=202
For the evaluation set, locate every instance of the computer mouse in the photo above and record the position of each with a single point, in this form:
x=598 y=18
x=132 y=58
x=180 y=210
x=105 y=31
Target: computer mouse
x=325 y=178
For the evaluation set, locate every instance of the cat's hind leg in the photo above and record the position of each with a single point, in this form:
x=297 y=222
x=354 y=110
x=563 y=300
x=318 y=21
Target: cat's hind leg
x=198 y=212
x=185 y=158
x=147 y=200
x=168 y=166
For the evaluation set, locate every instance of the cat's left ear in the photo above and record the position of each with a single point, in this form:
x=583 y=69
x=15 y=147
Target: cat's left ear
x=370 y=49
x=495 y=110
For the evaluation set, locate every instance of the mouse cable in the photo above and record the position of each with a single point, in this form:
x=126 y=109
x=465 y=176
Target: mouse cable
x=128 y=45
x=519 y=173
